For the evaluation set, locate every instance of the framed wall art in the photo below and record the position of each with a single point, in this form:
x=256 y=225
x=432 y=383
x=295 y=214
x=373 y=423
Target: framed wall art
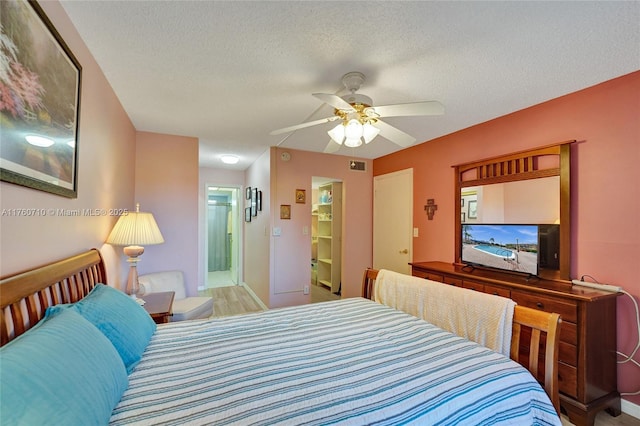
x=301 y=196
x=254 y=202
x=285 y=211
x=472 y=213
x=247 y=193
x=247 y=214
x=40 y=105
x=259 y=201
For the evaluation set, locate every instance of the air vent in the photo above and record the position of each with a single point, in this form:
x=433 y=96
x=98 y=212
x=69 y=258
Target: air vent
x=357 y=165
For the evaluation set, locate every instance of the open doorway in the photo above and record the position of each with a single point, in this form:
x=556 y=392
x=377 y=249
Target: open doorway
x=222 y=250
x=326 y=239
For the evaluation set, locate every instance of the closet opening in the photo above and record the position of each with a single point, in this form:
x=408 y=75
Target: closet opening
x=326 y=238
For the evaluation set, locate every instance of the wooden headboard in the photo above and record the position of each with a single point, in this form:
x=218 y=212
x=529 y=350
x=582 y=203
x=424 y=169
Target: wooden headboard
x=24 y=297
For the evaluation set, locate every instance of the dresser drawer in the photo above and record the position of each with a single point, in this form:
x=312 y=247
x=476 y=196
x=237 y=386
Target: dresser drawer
x=427 y=275
x=569 y=333
x=568 y=311
x=497 y=291
x=568 y=354
x=452 y=281
x=472 y=285
x=568 y=379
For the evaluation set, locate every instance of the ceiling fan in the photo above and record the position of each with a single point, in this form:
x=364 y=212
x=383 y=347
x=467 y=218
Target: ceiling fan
x=360 y=120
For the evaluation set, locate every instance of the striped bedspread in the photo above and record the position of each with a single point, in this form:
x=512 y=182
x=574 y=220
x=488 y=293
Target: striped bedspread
x=351 y=362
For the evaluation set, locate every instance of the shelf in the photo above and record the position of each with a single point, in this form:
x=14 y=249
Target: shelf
x=325 y=283
x=329 y=224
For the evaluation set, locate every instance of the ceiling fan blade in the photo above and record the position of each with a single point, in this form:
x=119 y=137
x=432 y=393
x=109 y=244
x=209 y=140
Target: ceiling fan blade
x=303 y=125
x=332 y=147
x=335 y=101
x=396 y=136
x=404 y=110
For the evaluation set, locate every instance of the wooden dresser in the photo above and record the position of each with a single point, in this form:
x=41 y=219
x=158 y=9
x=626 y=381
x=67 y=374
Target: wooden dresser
x=587 y=362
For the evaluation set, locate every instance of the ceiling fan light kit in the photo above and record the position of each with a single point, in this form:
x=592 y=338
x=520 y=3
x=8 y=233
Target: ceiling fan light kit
x=360 y=120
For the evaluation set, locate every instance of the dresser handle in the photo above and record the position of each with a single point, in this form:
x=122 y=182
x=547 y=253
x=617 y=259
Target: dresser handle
x=540 y=305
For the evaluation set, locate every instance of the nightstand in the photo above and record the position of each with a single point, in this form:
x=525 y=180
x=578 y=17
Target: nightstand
x=159 y=305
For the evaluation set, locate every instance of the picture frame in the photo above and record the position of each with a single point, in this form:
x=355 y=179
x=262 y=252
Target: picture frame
x=285 y=211
x=462 y=217
x=247 y=214
x=472 y=211
x=259 y=201
x=247 y=193
x=301 y=196
x=254 y=202
x=40 y=141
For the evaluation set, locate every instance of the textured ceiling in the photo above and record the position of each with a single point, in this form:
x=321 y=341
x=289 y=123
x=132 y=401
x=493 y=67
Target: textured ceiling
x=230 y=72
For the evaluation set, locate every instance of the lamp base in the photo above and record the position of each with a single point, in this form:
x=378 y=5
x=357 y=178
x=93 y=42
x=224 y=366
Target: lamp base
x=133 y=287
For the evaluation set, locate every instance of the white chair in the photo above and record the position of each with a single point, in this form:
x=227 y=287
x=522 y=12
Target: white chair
x=184 y=308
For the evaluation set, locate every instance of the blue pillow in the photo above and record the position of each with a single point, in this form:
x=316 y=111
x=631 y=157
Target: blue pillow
x=120 y=318
x=62 y=371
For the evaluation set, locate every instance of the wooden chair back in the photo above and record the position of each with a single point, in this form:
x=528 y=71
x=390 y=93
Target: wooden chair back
x=540 y=327
x=368 y=280
x=527 y=353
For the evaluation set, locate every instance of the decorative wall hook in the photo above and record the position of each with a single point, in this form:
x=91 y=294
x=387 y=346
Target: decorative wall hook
x=430 y=208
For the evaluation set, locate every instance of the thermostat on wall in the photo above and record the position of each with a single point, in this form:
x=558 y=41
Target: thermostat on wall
x=285 y=156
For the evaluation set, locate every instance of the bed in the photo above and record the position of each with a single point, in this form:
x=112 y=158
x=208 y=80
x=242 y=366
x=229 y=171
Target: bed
x=352 y=362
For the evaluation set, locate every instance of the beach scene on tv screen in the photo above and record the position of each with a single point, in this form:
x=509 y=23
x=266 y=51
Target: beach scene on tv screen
x=510 y=247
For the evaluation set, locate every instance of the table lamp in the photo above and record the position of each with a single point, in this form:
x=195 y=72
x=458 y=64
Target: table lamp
x=134 y=230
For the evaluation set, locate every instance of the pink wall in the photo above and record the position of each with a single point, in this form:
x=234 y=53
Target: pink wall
x=106 y=147
x=605 y=185
x=258 y=253
x=166 y=184
x=291 y=251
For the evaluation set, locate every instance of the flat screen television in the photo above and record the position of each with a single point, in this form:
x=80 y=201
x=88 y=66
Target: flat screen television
x=516 y=248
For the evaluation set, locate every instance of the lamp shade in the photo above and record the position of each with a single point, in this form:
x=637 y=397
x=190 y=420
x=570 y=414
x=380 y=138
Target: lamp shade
x=137 y=228
x=337 y=134
x=353 y=129
x=369 y=132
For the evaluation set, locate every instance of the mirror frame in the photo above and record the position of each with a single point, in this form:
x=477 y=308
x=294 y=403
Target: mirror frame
x=519 y=166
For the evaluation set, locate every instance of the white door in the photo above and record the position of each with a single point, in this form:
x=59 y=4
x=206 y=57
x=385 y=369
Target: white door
x=393 y=221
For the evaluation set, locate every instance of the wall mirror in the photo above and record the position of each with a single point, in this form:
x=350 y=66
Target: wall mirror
x=529 y=188
x=525 y=201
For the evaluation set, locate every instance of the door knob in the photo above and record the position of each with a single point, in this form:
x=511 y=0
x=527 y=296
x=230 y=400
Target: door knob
x=405 y=251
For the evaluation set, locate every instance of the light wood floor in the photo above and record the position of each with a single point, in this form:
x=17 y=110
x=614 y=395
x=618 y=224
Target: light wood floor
x=236 y=300
x=604 y=419
x=320 y=293
x=232 y=300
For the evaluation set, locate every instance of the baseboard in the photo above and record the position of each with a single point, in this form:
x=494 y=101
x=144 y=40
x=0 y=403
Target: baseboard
x=630 y=408
x=255 y=297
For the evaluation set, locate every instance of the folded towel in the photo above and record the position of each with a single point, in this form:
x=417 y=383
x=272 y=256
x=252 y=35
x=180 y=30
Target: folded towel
x=483 y=318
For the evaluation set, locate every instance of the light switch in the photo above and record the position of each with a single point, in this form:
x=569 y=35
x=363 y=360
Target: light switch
x=415 y=232
x=277 y=231
x=305 y=230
